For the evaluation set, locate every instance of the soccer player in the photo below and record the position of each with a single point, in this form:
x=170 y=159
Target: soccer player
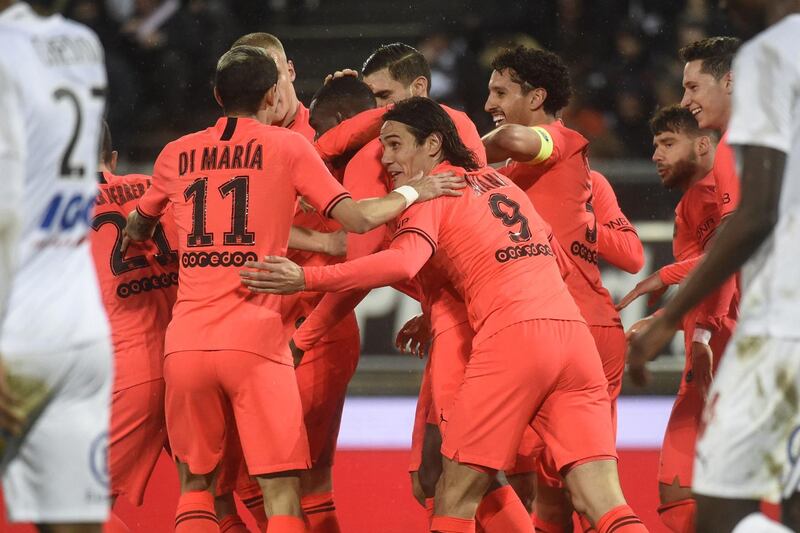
x=55 y=331
x=747 y=451
x=326 y=370
x=684 y=156
x=493 y=247
x=527 y=89
x=708 y=83
x=223 y=345
x=138 y=289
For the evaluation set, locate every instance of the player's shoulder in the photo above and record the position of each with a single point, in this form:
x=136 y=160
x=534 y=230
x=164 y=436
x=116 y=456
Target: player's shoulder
x=701 y=192
x=779 y=39
x=128 y=179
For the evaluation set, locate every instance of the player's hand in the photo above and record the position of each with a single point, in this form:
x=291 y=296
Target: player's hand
x=10 y=420
x=435 y=185
x=644 y=346
x=137 y=228
x=638 y=326
x=274 y=275
x=340 y=74
x=702 y=365
x=336 y=243
x=416 y=335
x=297 y=353
x=651 y=285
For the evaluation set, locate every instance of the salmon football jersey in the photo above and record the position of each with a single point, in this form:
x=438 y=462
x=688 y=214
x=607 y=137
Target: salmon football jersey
x=617 y=240
x=491 y=244
x=138 y=287
x=726 y=178
x=233 y=188
x=561 y=190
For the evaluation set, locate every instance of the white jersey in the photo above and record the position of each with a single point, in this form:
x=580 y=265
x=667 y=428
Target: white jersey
x=766 y=112
x=56 y=69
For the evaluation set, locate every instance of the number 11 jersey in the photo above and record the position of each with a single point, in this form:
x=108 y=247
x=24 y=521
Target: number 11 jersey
x=234 y=189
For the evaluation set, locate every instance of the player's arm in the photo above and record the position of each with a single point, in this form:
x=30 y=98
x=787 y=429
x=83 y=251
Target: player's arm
x=350 y=135
x=331 y=243
x=143 y=220
x=617 y=240
x=12 y=168
x=402 y=261
x=313 y=181
x=521 y=143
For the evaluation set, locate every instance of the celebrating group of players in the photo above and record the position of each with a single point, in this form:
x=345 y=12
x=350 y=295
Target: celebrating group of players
x=236 y=357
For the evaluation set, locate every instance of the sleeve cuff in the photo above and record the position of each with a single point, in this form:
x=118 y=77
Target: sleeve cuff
x=701 y=335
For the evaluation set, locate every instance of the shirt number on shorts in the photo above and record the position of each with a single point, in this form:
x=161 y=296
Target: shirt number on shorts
x=239 y=190
x=500 y=204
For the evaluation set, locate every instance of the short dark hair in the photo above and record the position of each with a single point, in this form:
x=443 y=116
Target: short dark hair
x=106 y=146
x=716 y=54
x=674 y=119
x=244 y=75
x=405 y=63
x=532 y=68
x=347 y=94
x=424 y=117
x=260 y=40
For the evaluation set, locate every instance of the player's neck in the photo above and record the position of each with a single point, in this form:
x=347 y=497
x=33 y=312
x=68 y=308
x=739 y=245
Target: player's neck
x=540 y=118
x=701 y=173
x=295 y=107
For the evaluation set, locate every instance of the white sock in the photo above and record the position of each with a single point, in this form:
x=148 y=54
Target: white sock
x=758 y=523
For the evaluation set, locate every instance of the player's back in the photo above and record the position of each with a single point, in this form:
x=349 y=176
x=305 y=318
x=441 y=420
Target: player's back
x=58 y=72
x=138 y=287
x=233 y=193
x=494 y=247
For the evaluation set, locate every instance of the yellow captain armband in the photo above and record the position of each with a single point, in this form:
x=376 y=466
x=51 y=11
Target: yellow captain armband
x=546 y=149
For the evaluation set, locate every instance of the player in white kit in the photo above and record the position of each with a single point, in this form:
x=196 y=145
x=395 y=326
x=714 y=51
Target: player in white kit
x=54 y=330
x=750 y=448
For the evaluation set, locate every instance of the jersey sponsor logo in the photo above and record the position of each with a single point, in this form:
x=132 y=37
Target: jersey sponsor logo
x=705 y=227
x=578 y=249
x=65 y=212
x=617 y=223
x=147 y=284
x=503 y=255
x=216 y=259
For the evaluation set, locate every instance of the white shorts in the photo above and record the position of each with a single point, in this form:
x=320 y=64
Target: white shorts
x=749 y=447
x=60 y=472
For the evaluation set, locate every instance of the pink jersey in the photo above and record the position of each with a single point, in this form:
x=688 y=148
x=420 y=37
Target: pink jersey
x=490 y=243
x=233 y=188
x=139 y=287
x=561 y=190
x=726 y=178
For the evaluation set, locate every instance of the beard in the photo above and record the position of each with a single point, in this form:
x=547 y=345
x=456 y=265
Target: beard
x=681 y=173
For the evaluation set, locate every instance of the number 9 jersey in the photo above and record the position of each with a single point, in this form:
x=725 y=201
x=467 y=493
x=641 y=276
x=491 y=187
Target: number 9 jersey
x=58 y=82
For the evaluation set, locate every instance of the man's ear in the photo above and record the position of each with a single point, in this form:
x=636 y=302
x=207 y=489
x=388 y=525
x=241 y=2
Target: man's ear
x=217 y=98
x=290 y=68
x=419 y=87
x=433 y=144
x=727 y=80
x=270 y=97
x=536 y=98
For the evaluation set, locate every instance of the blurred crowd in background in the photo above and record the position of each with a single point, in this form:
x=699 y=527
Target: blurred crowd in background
x=622 y=54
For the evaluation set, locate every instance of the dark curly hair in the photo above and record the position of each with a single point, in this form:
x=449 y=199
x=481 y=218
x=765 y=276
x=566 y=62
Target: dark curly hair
x=716 y=54
x=675 y=119
x=424 y=117
x=533 y=68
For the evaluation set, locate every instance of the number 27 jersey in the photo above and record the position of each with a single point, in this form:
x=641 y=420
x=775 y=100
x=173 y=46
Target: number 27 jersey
x=233 y=188
x=494 y=248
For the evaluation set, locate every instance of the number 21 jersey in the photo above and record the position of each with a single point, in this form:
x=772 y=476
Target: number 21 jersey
x=58 y=79
x=233 y=188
